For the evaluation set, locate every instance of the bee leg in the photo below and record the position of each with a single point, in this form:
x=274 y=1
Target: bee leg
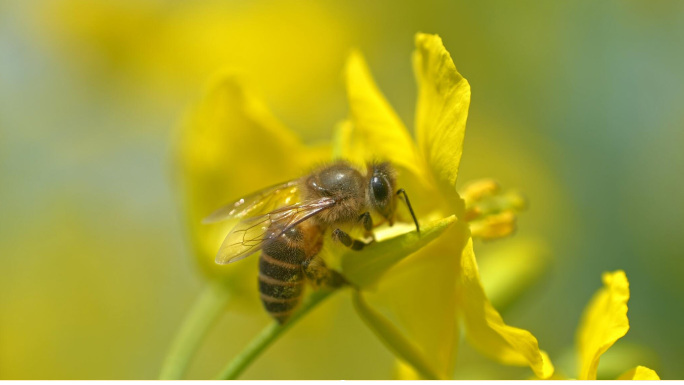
x=348 y=241
x=319 y=274
x=367 y=221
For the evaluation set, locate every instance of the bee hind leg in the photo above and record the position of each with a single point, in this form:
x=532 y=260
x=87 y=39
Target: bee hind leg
x=347 y=240
x=319 y=274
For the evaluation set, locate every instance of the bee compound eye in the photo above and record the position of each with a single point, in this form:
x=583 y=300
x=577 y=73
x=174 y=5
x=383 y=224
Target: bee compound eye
x=379 y=188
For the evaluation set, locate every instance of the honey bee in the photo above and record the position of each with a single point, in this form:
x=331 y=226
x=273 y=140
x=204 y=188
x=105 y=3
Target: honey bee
x=290 y=232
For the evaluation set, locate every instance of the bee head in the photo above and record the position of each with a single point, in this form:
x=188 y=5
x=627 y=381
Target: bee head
x=381 y=189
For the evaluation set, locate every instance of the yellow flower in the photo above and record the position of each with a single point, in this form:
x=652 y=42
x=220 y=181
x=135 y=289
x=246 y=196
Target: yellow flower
x=230 y=145
x=604 y=322
x=439 y=286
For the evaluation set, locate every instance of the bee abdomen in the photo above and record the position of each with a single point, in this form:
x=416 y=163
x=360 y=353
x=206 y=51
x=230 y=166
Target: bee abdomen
x=280 y=308
x=280 y=280
x=280 y=290
x=275 y=267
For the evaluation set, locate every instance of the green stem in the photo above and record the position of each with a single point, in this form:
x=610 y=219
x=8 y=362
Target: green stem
x=393 y=339
x=269 y=335
x=206 y=310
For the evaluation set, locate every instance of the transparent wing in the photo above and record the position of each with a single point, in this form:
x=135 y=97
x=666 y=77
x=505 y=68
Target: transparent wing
x=262 y=201
x=251 y=234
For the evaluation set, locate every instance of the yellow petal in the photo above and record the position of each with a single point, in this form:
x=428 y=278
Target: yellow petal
x=604 y=322
x=417 y=294
x=228 y=146
x=442 y=109
x=640 y=373
x=555 y=376
x=404 y=371
x=378 y=133
x=364 y=268
x=486 y=330
x=392 y=337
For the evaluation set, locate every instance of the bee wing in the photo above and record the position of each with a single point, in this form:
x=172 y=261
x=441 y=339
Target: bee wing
x=253 y=233
x=258 y=202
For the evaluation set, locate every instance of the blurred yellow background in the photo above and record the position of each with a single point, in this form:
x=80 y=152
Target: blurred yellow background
x=576 y=103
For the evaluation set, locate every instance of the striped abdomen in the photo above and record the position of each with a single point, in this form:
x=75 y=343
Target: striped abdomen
x=281 y=276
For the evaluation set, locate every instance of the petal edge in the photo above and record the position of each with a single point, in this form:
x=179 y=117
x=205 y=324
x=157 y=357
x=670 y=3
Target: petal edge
x=486 y=330
x=640 y=373
x=442 y=109
x=377 y=131
x=604 y=321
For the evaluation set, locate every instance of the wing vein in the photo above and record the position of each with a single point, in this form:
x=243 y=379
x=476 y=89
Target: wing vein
x=251 y=234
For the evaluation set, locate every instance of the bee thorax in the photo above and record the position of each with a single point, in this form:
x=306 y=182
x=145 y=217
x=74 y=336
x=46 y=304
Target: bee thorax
x=344 y=184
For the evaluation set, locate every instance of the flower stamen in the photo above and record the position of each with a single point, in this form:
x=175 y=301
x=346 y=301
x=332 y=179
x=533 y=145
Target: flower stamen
x=491 y=212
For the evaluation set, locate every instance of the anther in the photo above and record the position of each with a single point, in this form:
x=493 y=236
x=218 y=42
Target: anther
x=491 y=212
x=494 y=226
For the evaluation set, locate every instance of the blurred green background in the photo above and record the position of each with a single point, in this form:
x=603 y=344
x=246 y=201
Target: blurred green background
x=577 y=103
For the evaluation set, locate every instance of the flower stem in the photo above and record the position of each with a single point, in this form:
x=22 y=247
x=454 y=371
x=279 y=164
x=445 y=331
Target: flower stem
x=205 y=311
x=393 y=338
x=269 y=335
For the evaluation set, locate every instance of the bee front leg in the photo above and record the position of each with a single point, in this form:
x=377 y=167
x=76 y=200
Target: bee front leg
x=319 y=274
x=367 y=221
x=354 y=244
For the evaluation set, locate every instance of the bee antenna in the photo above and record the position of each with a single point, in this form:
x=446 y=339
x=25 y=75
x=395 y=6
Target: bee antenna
x=408 y=203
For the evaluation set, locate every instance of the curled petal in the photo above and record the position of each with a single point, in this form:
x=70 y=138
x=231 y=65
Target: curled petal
x=442 y=109
x=640 y=373
x=604 y=322
x=377 y=132
x=486 y=330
